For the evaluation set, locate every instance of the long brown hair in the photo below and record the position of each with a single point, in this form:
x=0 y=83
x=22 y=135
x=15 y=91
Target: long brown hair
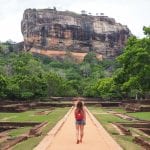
x=79 y=106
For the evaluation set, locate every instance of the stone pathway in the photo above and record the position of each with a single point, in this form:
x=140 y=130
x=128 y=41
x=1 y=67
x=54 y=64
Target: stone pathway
x=95 y=136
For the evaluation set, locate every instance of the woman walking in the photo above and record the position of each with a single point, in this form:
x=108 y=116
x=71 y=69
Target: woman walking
x=80 y=117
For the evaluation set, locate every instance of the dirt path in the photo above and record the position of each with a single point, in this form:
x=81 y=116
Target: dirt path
x=95 y=137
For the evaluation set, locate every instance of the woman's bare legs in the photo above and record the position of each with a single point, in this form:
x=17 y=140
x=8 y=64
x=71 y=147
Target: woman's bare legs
x=77 y=133
x=81 y=132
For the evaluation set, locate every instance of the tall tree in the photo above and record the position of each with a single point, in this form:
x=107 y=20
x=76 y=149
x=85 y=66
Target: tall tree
x=134 y=74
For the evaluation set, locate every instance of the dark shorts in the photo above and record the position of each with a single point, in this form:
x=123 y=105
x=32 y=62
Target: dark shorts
x=80 y=122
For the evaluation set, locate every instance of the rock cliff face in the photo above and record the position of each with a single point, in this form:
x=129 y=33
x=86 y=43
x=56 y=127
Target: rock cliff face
x=50 y=29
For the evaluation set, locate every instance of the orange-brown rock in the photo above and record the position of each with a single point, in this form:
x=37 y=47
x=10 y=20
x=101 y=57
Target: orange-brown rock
x=50 y=29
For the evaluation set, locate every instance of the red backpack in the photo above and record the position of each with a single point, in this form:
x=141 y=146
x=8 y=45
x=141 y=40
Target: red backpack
x=79 y=115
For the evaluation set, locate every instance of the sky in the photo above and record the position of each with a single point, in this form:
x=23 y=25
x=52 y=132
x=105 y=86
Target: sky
x=133 y=13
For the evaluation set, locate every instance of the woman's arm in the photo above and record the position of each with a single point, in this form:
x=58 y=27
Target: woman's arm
x=75 y=112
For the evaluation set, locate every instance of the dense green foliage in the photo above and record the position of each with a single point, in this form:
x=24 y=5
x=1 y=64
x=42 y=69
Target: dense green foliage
x=132 y=77
x=24 y=76
x=27 y=76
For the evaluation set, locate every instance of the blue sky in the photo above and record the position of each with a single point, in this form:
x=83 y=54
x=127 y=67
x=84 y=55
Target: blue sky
x=133 y=13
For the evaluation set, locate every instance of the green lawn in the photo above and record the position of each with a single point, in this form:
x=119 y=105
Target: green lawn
x=141 y=115
x=52 y=118
x=19 y=131
x=116 y=109
x=25 y=116
x=106 y=119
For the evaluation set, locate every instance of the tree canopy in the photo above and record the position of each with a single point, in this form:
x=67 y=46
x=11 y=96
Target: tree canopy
x=27 y=76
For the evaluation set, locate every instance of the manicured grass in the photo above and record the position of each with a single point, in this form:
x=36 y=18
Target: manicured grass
x=106 y=119
x=127 y=143
x=109 y=118
x=141 y=115
x=52 y=118
x=116 y=109
x=25 y=116
x=29 y=144
x=97 y=110
x=19 y=131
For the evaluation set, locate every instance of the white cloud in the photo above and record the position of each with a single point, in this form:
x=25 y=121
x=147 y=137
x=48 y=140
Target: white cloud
x=133 y=13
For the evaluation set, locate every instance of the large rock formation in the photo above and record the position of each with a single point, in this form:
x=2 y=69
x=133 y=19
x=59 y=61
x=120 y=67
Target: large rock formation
x=50 y=29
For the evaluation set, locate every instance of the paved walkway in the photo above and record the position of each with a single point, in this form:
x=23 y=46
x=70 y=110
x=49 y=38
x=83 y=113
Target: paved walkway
x=95 y=136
